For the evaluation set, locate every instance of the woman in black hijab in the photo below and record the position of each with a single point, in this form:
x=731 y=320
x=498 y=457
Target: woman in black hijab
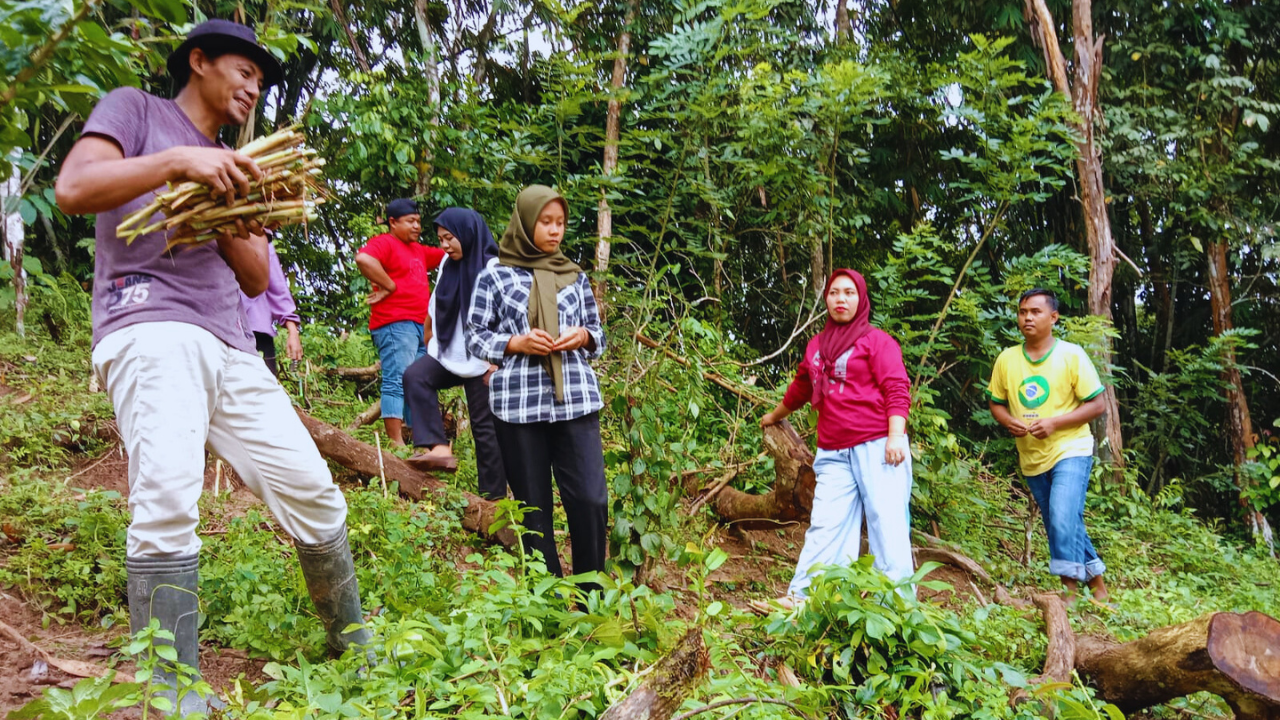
x=469 y=244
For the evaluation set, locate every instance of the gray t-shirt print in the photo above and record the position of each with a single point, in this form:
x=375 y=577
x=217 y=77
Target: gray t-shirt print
x=141 y=282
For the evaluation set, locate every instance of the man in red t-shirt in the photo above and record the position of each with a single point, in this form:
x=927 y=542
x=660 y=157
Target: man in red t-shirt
x=398 y=267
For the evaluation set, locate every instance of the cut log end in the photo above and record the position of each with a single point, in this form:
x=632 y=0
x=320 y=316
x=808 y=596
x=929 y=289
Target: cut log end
x=1246 y=648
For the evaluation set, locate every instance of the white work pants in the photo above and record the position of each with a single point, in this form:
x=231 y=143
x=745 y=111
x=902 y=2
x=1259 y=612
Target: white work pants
x=177 y=389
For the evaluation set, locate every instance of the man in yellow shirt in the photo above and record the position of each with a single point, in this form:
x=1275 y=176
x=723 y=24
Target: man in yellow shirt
x=1044 y=392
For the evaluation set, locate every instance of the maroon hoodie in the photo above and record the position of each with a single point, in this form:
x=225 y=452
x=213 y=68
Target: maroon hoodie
x=866 y=389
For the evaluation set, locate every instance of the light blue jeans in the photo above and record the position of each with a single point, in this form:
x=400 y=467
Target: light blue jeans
x=399 y=344
x=850 y=483
x=1060 y=495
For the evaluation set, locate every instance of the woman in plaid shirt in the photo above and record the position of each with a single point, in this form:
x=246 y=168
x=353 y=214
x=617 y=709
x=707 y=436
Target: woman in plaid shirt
x=533 y=315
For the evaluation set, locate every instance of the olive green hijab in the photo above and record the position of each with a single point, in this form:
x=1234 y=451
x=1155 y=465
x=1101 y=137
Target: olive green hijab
x=551 y=272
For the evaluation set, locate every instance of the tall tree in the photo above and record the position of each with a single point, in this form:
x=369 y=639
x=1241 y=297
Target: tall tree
x=1220 y=158
x=1103 y=253
x=429 y=61
x=604 y=215
x=11 y=238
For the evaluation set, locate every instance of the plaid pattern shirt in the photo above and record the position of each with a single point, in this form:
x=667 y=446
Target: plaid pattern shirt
x=521 y=390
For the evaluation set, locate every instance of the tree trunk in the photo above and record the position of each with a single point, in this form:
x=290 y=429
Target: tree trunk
x=844 y=26
x=481 y=46
x=1060 y=657
x=362 y=459
x=368 y=372
x=1239 y=424
x=667 y=686
x=432 y=74
x=790 y=500
x=604 y=215
x=1102 y=249
x=12 y=232
x=367 y=416
x=358 y=50
x=1234 y=656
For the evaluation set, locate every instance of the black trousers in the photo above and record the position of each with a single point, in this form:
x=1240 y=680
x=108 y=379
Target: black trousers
x=423 y=381
x=267 y=346
x=571 y=450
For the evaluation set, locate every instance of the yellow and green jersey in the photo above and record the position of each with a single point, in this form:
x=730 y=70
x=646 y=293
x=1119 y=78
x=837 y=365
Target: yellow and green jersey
x=1054 y=385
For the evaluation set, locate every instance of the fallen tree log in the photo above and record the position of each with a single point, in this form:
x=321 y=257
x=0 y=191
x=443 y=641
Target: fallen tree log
x=362 y=458
x=669 y=683
x=367 y=416
x=1235 y=656
x=369 y=372
x=956 y=559
x=1060 y=657
x=790 y=500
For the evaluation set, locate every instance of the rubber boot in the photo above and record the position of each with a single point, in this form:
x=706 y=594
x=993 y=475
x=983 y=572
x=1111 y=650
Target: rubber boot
x=165 y=589
x=331 y=581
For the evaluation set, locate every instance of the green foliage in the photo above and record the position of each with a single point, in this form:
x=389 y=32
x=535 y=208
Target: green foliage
x=92 y=698
x=46 y=409
x=505 y=639
x=645 y=487
x=69 y=553
x=88 y=699
x=871 y=644
x=1174 y=413
x=1174 y=566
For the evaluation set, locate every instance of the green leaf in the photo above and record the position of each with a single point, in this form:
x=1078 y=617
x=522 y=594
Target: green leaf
x=717 y=558
x=27 y=210
x=173 y=11
x=878 y=627
x=167 y=652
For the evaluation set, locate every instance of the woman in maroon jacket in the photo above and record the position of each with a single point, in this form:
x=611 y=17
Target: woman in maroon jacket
x=854 y=375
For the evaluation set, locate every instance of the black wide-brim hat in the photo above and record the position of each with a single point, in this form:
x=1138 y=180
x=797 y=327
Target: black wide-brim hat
x=228 y=36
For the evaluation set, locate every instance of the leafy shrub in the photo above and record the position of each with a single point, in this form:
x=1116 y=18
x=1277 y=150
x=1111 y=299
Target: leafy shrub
x=69 y=553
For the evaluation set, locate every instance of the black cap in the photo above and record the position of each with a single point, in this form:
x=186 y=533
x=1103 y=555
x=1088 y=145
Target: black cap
x=401 y=207
x=231 y=37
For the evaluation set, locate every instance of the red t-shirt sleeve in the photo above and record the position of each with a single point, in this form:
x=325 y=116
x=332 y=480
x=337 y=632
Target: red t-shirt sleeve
x=801 y=388
x=434 y=256
x=376 y=248
x=890 y=373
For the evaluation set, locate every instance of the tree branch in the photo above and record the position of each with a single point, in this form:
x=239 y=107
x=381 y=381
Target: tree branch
x=42 y=55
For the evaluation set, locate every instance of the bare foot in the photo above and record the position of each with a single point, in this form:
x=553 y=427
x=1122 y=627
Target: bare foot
x=1070 y=592
x=1099 y=588
x=786 y=603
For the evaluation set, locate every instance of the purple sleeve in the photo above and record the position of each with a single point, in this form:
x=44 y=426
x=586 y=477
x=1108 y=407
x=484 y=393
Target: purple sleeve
x=890 y=374
x=279 y=299
x=120 y=117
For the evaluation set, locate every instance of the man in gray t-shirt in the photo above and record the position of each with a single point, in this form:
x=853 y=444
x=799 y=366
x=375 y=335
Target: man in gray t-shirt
x=175 y=353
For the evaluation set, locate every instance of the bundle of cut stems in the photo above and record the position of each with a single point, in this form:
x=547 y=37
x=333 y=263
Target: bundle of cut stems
x=288 y=193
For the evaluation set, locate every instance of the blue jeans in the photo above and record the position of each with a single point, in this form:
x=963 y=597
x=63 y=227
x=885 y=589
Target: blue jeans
x=1060 y=495
x=850 y=483
x=399 y=344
